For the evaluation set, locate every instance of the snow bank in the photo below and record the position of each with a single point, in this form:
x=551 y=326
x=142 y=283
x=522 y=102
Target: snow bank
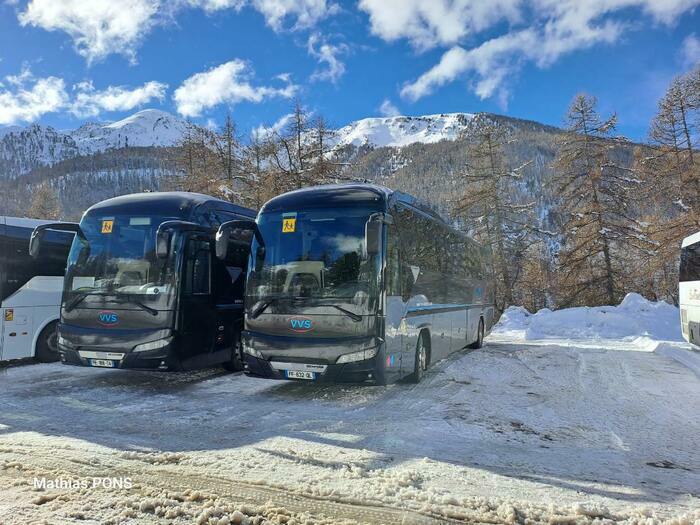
x=634 y=318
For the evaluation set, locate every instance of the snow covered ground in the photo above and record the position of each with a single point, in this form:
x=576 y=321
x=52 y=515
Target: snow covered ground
x=551 y=430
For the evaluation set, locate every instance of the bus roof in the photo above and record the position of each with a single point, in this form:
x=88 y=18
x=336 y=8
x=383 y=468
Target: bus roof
x=691 y=239
x=23 y=222
x=177 y=203
x=328 y=195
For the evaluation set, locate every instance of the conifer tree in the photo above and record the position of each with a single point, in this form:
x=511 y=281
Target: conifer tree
x=595 y=192
x=491 y=207
x=44 y=203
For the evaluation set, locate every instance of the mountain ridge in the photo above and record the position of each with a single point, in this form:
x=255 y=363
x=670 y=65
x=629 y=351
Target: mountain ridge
x=23 y=149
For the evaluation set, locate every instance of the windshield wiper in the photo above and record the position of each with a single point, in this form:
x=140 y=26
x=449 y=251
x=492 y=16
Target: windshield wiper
x=75 y=301
x=261 y=307
x=80 y=298
x=131 y=299
x=352 y=315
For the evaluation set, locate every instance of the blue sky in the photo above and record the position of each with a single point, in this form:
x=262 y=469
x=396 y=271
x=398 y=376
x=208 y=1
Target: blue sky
x=63 y=62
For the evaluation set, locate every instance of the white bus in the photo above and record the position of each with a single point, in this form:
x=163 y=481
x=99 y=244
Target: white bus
x=30 y=290
x=689 y=288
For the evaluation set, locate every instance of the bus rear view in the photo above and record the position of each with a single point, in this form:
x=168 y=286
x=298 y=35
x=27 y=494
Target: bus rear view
x=689 y=289
x=357 y=283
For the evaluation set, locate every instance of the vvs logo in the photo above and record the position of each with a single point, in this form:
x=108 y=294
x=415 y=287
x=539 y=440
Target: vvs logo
x=108 y=318
x=300 y=324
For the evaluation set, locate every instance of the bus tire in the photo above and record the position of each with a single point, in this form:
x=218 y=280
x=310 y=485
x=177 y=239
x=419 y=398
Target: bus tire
x=479 y=336
x=420 y=363
x=47 y=344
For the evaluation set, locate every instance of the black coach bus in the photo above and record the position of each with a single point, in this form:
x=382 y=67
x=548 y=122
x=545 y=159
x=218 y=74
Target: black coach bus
x=143 y=288
x=358 y=283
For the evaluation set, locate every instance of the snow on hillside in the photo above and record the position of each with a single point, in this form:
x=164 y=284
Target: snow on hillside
x=635 y=318
x=401 y=131
x=25 y=148
x=149 y=127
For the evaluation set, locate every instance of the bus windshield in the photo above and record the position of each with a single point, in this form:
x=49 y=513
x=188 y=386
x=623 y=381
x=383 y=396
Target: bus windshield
x=117 y=257
x=316 y=256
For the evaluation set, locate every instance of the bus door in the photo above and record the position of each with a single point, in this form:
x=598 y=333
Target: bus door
x=198 y=320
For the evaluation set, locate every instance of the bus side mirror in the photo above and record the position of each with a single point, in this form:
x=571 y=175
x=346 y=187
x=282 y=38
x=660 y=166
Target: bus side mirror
x=35 y=242
x=163 y=238
x=373 y=235
x=233 y=242
x=38 y=234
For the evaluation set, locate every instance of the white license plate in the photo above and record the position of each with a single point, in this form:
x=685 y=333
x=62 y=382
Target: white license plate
x=300 y=374
x=106 y=363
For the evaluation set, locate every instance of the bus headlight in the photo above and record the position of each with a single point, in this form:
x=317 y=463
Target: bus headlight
x=153 y=345
x=362 y=355
x=65 y=343
x=248 y=349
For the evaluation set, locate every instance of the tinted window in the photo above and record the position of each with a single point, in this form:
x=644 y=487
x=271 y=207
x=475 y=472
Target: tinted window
x=198 y=266
x=20 y=267
x=690 y=263
x=449 y=266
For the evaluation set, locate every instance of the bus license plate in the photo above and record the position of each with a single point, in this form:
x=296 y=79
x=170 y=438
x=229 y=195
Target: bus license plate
x=300 y=374
x=105 y=363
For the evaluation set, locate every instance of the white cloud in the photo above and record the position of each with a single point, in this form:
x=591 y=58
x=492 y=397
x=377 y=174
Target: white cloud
x=554 y=28
x=302 y=13
x=327 y=54
x=305 y=13
x=98 y=27
x=388 y=109
x=30 y=98
x=263 y=131
x=438 y=22
x=690 y=51
x=90 y=102
x=25 y=98
x=228 y=83
x=211 y=6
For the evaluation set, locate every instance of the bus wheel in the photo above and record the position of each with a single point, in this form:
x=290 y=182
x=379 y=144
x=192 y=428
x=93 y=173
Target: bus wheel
x=47 y=344
x=236 y=362
x=480 y=336
x=421 y=361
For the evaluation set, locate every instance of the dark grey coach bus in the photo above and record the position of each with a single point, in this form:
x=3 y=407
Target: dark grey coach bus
x=357 y=283
x=143 y=288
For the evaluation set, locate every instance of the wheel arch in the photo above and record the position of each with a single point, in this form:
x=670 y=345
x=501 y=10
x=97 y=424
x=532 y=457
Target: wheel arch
x=46 y=322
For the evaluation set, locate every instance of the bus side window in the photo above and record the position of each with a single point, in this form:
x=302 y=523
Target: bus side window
x=198 y=268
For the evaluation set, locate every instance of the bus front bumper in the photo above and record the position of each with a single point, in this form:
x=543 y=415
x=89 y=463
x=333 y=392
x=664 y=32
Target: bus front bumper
x=337 y=361
x=152 y=350
x=161 y=359
x=358 y=372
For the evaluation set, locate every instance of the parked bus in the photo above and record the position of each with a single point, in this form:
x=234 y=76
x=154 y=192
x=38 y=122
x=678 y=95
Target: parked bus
x=689 y=288
x=358 y=283
x=143 y=289
x=30 y=290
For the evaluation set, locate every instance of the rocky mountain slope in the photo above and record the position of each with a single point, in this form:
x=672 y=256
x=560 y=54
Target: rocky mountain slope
x=25 y=149
x=422 y=155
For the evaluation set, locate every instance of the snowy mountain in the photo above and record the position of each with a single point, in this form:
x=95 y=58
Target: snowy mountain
x=23 y=149
x=402 y=131
x=149 y=127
